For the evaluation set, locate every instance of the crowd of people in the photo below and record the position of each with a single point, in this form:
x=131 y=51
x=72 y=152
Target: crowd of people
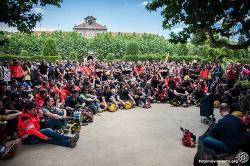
x=37 y=99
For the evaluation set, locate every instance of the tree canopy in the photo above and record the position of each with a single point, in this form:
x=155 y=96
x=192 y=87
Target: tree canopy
x=227 y=19
x=19 y=13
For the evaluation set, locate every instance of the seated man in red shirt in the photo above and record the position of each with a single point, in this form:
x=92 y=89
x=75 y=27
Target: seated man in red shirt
x=30 y=133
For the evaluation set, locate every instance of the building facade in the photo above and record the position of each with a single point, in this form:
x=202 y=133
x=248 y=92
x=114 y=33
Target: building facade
x=90 y=28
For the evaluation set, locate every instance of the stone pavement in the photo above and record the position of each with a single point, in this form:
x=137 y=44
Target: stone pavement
x=136 y=137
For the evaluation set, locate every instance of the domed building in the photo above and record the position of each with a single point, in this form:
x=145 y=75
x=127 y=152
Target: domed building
x=90 y=28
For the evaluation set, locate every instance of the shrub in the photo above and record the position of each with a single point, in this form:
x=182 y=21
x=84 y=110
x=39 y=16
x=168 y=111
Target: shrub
x=144 y=57
x=49 y=48
x=24 y=53
x=72 y=56
x=7 y=57
x=245 y=84
x=244 y=61
x=132 y=48
x=185 y=58
x=110 y=56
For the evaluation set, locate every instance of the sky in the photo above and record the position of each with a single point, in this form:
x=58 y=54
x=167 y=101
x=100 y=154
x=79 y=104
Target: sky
x=117 y=15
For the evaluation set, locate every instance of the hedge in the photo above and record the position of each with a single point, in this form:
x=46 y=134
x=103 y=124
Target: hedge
x=145 y=57
x=158 y=57
x=7 y=57
x=185 y=58
x=245 y=84
x=244 y=61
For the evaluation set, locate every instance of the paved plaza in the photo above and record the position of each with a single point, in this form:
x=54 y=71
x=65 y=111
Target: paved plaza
x=136 y=137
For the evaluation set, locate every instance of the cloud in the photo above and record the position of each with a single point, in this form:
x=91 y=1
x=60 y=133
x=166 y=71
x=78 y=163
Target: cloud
x=144 y=3
x=38 y=10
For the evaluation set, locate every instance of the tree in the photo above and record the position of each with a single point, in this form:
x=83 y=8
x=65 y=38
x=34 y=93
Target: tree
x=20 y=14
x=199 y=38
x=227 y=18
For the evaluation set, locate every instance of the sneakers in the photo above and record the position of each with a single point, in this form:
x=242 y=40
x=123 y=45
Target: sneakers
x=74 y=140
x=9 y=152
x=76 y=137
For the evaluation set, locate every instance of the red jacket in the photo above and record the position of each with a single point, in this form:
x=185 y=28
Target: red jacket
x=86 y=70
x=204 y=74
x=138 y=70
x=39 y=100
x=16 y=71
x=30 y=125
x=231 y=74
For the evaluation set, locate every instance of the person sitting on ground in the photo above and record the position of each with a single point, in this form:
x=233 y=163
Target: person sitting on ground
x=225 y=135
x=7 y=151
x=91 y=101
x=199 y=92
x=73 y=101
x=40 y=97
x=55 y=118
x=16 y=70
x=180 y=96
x=8 y=119
x=107 y=98
x=11 y=114
x=30 y=133
x=124 y=93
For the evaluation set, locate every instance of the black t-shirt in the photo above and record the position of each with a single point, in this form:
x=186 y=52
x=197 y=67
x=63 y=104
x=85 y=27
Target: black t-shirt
x=199 y=94
x=235 y=92
x=112 y=85
x=155 y=83
x=43 y=69
x=186 y=83
x=124 y=94
x=73 y=103
x=51 y=71
x=107 y=96
x=180 y=90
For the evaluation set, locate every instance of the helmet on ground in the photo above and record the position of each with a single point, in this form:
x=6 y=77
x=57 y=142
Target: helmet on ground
x=112 y=108
x=127 y=105
x=76 y=127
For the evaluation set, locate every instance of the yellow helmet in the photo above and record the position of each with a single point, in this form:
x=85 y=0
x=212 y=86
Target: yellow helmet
x=186 y=77
x=237 y=114
x=127 y=105
x=112 y=108
x=216 y=104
